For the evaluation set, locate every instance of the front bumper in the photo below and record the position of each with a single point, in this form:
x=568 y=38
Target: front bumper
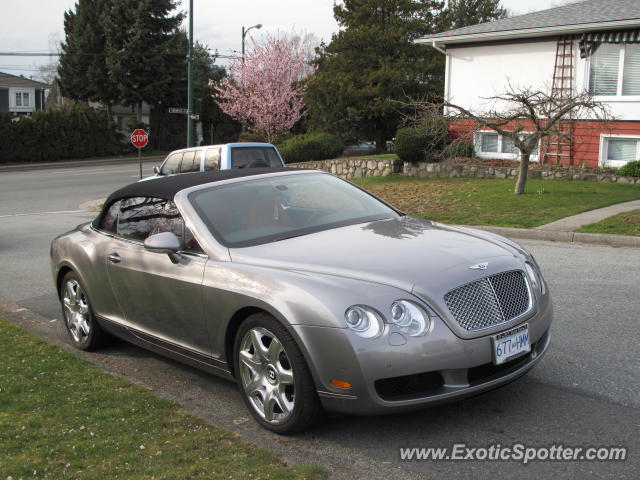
x=425 y=371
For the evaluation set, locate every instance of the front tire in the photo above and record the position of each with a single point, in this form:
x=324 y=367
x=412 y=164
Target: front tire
x=79 y=319
x=273 y=377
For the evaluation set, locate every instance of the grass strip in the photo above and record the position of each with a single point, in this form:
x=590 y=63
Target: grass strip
x=627 y=223
x=62 y=417
x=478 y=201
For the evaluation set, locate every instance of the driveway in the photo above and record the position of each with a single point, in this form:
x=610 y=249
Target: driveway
x=584 y=393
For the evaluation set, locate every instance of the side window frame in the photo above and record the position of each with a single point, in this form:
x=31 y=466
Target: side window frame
x=181 y=232
x=114 y=227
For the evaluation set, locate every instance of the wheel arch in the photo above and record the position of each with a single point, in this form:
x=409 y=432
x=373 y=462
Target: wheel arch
x=245 y=312
x=232 y=329
x=62 y=271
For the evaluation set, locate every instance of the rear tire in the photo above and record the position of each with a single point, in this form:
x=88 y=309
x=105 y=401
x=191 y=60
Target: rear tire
x=79 y=319
x=273 y=377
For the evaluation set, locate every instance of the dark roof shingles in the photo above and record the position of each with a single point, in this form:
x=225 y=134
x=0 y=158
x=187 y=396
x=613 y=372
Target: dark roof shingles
x=8 y=80
x=590 y=11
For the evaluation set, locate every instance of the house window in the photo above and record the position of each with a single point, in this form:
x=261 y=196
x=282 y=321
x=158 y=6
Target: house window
x=618 y=150
x=606 y=77
x=22 y=99
x=501 y=145
x=489 y=142
x=508 y=146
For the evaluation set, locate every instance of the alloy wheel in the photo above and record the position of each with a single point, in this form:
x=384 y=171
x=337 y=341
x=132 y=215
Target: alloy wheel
x=267 y=375
x=76 y=311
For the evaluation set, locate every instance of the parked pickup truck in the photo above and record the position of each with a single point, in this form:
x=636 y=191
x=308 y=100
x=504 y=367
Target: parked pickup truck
x=219 y=157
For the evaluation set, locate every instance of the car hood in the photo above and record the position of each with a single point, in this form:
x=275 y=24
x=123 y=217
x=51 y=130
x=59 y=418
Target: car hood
x=412 y=254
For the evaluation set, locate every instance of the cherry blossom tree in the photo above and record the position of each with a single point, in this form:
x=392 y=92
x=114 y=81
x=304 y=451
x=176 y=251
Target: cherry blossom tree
x=265 y=90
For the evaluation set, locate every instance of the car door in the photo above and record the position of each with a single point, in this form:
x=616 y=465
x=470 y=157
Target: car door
x=157 y=297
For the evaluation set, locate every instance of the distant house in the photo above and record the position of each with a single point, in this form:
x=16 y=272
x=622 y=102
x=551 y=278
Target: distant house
x=20 y=95
x=592 y=45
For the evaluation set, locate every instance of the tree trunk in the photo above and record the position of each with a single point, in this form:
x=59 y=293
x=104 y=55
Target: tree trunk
x=109 y=112
x=139 y=112
x=380 y=140
x=522 y=174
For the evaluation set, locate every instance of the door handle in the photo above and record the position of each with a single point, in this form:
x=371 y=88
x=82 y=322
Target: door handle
x=114 y=258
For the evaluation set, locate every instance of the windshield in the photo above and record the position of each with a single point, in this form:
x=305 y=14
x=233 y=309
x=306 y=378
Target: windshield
x=276 y=208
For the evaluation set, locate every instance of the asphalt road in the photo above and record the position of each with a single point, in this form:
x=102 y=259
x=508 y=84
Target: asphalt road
x=584 y=393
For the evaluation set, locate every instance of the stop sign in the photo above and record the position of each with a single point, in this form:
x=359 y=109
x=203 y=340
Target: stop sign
x=139 y=138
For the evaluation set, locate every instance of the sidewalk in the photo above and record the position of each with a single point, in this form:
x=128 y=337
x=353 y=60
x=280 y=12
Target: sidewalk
x=18 y=167
x=563 y=230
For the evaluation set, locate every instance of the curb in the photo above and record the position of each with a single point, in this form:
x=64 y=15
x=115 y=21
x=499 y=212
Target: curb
x=569 y=237
x=77 y=163
x=92 y=205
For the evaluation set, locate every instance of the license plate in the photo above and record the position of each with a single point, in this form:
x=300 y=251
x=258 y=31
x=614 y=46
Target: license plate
x=510 y=344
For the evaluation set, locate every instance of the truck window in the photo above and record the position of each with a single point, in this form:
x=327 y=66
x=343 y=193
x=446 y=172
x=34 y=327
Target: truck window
x=212 y=159
x=171 y=164
x=254 y=157
x=190 y=162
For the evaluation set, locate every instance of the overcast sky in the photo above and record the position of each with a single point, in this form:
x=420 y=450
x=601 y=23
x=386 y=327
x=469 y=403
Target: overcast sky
x=37 y=25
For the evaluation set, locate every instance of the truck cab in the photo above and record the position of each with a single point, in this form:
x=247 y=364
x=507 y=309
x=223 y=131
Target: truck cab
x=219 y=157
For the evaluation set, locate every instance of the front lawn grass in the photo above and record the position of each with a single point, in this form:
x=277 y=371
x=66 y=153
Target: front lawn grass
x=478 y=201
x=627 y=223
x=61 y=417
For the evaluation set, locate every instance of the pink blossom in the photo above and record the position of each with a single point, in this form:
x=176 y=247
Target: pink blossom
x=265 y=90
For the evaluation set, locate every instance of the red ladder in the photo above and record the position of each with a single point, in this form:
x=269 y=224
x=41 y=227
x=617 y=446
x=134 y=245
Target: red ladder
x=560 y=147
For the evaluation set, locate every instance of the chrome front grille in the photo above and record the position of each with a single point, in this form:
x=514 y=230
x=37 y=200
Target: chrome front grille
x=490 y=301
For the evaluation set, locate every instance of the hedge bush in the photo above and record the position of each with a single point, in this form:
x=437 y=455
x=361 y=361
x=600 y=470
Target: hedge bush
x=311 y=146
x=250 y=137
x=631 y=169
x=422 y=142
x=459 y=148
x=411 y=144
x=75 y=132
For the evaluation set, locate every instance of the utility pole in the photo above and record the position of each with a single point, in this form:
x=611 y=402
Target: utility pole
x=190 y=79
x=244 y=34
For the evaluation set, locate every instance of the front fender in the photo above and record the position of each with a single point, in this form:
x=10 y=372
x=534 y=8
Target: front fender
x=294 y=298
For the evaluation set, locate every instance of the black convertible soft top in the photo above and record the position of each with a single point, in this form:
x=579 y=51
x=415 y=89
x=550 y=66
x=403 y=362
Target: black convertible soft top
x=167 y=187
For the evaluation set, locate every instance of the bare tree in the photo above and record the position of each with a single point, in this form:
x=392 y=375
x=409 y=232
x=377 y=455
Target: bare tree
x=525 y=116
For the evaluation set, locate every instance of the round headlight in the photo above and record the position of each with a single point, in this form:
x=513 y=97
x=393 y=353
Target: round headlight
x=364 y=321
x=411 y=319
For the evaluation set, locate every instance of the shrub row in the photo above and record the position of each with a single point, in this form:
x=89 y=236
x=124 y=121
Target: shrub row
x=631 y=169
x=75 y=132
x=429 y=142
x=311 y=146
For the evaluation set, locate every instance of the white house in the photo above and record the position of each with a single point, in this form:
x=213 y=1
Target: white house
x=592 y=45
x=21 y=96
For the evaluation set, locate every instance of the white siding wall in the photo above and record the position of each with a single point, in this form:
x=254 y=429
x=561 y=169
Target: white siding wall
x=475 y=73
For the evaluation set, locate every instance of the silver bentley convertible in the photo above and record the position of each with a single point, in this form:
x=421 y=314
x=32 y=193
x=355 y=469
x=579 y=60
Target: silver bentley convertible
x=309 y=292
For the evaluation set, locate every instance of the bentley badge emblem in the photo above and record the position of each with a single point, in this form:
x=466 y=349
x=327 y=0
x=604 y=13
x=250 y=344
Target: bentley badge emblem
x=479 y=266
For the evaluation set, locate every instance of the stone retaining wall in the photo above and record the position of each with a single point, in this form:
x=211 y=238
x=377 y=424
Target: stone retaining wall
x=355 y=167
x=363 y=167
x=434 y=170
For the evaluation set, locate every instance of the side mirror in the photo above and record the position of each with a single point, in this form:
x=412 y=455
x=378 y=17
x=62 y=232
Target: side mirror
x=156 y=170
x=164 y=242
